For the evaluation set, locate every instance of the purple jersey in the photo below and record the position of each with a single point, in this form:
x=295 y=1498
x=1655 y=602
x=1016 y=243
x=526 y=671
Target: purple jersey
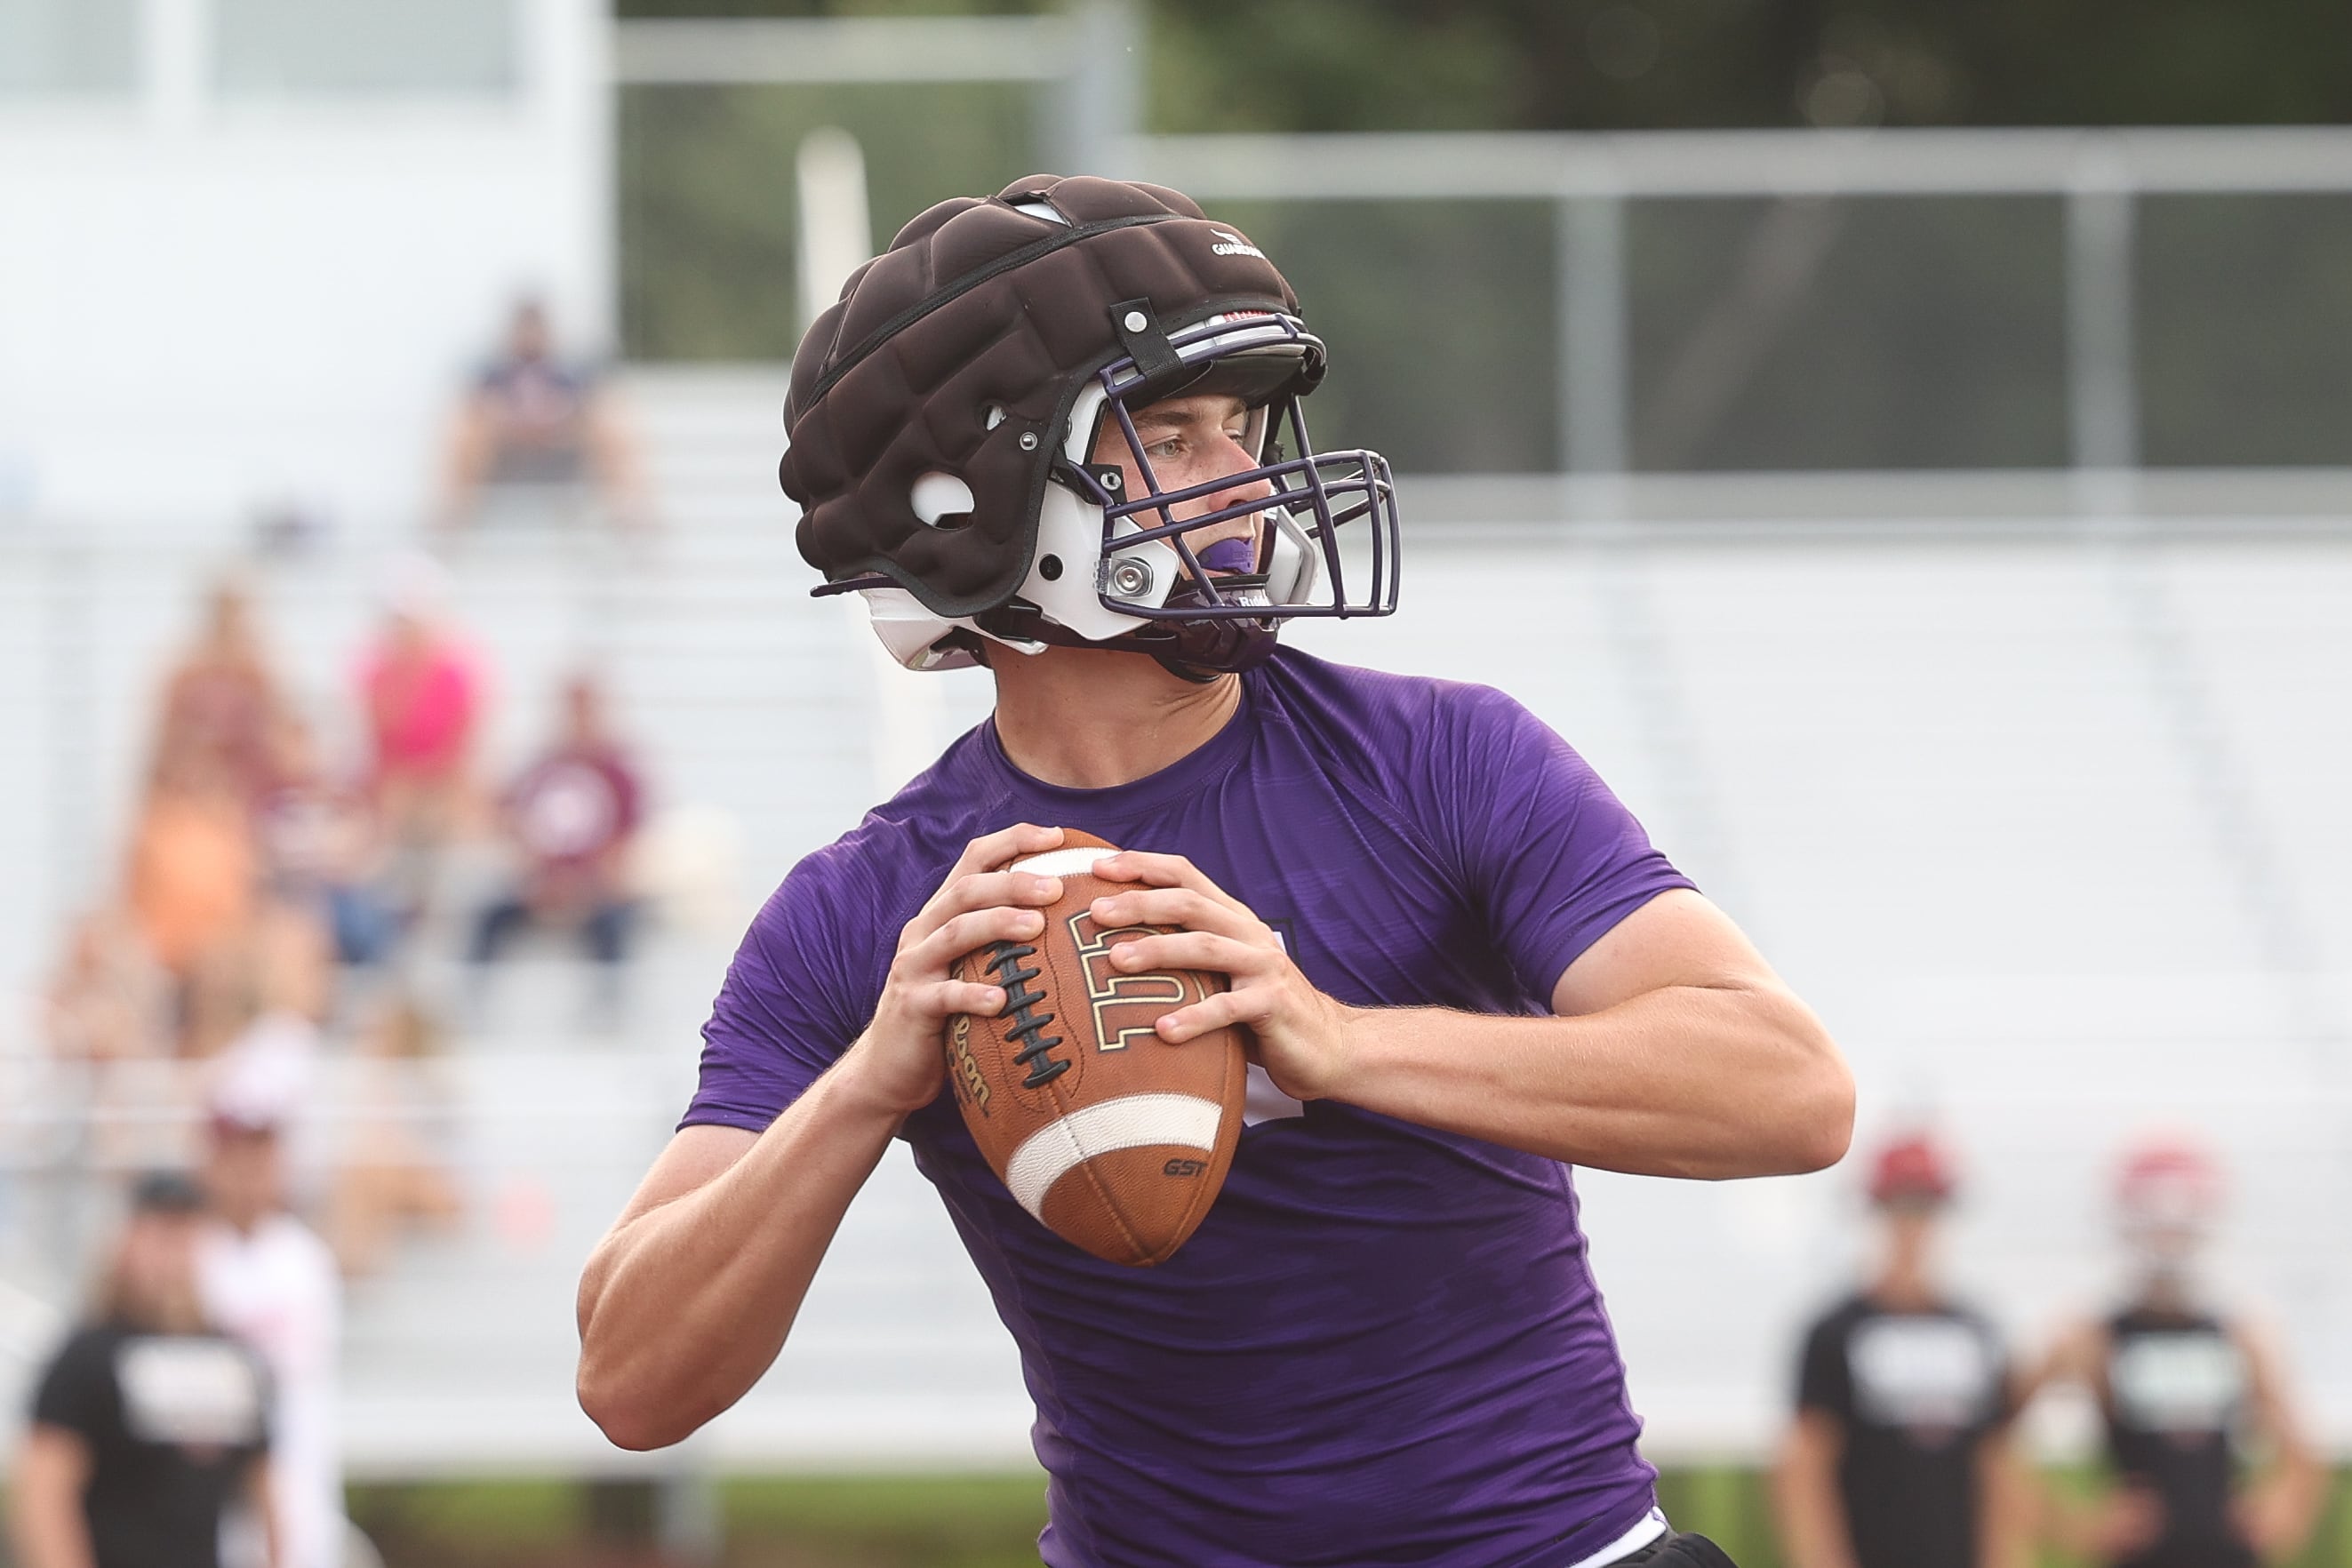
x=1384 y=1342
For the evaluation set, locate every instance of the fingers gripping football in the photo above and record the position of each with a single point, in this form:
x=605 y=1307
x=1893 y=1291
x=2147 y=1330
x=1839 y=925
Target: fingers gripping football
x=897 y=1058
x=1108 y=1133
x=1299 y=1034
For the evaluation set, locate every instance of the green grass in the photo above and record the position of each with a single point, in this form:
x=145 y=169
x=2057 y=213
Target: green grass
x=963 y=1521
x=1731 y=1505
x=897 y=1521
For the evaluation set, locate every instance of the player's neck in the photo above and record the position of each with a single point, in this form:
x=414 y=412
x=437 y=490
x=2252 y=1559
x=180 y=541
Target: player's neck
x=1091 y=719
x=244 y=1220
x=1904 y=1293
x=1905 y=1283
x=2167 y=1287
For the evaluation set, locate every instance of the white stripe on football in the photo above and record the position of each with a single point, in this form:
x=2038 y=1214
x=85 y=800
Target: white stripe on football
x=1074 y=862
x=1130 y=1121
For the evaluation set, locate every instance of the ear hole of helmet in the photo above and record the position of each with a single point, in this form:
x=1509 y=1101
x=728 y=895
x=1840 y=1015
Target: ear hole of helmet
x=941 y=501
x=991 y=414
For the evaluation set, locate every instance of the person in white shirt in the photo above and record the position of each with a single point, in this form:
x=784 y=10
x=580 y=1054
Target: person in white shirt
x=268 y=1279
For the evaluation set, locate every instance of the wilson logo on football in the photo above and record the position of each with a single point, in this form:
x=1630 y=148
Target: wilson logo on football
x=1126 y=1007
x=968 y=1078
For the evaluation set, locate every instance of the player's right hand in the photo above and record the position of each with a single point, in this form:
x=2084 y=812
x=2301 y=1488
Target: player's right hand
x=897 y=1063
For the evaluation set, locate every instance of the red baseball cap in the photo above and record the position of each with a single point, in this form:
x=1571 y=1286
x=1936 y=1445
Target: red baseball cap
x=2169 y=1181
x=1912 y=1168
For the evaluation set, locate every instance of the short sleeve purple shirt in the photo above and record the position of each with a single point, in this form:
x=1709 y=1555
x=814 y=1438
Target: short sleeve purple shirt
x=1384 y=1342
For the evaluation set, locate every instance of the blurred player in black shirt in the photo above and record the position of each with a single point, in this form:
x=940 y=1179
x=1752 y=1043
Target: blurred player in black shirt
x=2186 y=1397
x=1898 y=1457
x=146 y=1425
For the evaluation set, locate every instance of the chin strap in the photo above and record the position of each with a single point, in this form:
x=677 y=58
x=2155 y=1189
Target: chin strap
x=1197 y=651
x=1206 y=649
x=1198 y=675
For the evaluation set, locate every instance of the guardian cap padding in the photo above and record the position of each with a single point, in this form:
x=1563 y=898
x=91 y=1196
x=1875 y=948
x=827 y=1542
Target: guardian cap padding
x=961 y=350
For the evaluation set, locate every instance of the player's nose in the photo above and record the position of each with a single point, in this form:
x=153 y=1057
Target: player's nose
x=1238 y=466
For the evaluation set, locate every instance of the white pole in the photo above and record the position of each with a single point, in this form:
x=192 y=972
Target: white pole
x=1591 y=378
x=836 y=237
x=1102 y=97
x=2103 y=395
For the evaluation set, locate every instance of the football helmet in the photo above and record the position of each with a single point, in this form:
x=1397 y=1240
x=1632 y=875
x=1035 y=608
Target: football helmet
x=944 y=417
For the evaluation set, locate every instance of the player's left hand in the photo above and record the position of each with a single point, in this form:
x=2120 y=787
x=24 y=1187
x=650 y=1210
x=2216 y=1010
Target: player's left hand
x=1300 y=1035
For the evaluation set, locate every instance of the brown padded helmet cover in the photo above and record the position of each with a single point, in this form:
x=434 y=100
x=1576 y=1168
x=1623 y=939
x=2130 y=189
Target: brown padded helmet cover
x=1022 y=341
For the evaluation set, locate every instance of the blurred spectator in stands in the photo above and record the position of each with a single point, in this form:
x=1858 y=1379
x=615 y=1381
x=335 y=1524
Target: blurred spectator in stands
x=1899 y=1455
x=111 y=1011
x=420 y=688
x=276 y=968
x=265 y=1277
x=572 y=817
x=199 y=893
x=220 y=698
x=321 y=850
x=192 y=881
x=392 y=1178
x=148 y=1424
x=109 y=1000
x=539 y=436
x=2211 y=1464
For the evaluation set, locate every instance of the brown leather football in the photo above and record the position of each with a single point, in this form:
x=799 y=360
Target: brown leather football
x=1114 y=1139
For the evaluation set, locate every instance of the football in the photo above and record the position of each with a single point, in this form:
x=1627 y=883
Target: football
x=1113 y=1138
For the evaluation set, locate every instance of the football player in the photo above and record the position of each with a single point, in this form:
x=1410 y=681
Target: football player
x=1059 y=433
x=2186 y=1396
x=1899 y=1454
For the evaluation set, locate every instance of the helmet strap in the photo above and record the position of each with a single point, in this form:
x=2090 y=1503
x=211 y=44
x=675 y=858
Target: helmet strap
x=1197 y=651
x=1197 y=674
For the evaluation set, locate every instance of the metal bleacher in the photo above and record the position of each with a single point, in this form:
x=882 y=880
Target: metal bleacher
x=750 y=705
x=2046 y=818
x=2039 y=818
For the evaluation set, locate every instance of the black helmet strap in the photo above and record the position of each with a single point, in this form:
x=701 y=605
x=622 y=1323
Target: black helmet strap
x=1140 y=334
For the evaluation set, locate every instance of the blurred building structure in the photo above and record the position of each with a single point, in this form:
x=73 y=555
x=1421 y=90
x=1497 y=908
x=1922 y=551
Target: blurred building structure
x=252 y=243
x=2008 y=717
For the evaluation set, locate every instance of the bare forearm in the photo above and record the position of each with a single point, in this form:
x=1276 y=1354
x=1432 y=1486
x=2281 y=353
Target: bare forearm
x=2005 y=1506
x=261 y=1494
x=1682 y=1081
x=684 y=1307
x=615 y=458
x=62 y=1542
x=1813 y=1521
x=688 y=1299
x=2281 y=1508
x=50 y=1529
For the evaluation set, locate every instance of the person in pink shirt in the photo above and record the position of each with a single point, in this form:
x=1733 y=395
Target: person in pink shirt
x=421 y=691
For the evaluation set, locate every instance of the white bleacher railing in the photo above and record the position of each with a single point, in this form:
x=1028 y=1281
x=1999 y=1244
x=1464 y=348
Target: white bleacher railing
x=2099 y=176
